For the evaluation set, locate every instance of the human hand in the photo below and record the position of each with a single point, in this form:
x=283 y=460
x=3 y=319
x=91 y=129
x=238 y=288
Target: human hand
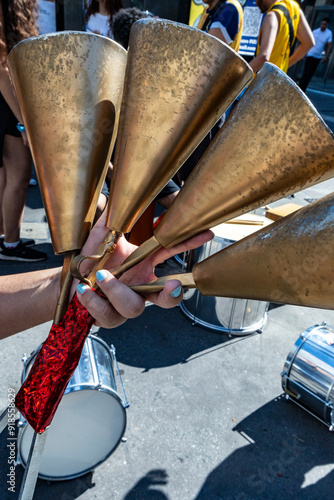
x=124 y=303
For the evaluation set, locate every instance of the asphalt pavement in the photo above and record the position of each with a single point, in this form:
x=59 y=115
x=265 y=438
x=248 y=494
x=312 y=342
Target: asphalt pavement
x=207 y=420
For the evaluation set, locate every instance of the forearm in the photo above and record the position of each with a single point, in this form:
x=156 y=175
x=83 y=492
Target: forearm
x=269 y=32
x=218 y=34
x=27 y=300
x=7 y=90
x=328 y=51
x=258 y=61
x=306 y=38
x=298 y=54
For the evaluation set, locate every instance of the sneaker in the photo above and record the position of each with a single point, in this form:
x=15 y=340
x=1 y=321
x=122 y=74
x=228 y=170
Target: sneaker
x=26 y=241
x=21 y=253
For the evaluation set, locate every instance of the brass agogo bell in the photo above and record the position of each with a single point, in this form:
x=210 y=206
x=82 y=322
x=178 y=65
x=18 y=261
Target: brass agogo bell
x=274 y=144
x=289 y=261
x=69 y=86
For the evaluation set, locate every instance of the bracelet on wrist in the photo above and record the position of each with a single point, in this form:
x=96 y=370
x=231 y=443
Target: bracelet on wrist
x=20 y=127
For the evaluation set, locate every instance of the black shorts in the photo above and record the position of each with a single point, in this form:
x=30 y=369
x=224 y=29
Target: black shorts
x=8 y=122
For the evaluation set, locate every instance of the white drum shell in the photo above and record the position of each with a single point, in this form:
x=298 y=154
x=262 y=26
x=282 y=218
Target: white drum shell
x=232 y=316
x=308 y=374
x=90 y=420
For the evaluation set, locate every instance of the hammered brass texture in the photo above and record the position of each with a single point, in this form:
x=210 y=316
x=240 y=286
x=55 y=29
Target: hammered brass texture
x=69 y=86
x=273 y=144
x=290 y=261
x=178 y=83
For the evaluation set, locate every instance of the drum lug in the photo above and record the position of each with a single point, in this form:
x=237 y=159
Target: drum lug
x=296 y=396
x=331 y=427
x=113 y=354
x=24 y=361
x=287 y=391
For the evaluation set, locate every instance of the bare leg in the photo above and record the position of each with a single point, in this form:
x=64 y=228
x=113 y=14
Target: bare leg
x=17 y=163
x=2 y=187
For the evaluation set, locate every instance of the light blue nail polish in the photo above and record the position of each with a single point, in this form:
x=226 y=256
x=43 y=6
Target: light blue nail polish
x=177 y=292
x=81 y=288
x=101 y=275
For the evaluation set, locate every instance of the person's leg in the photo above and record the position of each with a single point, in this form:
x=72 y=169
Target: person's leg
x=311 y=64
x=2 y=187
x=17 y=163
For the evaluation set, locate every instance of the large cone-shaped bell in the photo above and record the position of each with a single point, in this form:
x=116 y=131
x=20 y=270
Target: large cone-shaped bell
x=289 y=262
x=69 y=86
x=178 y=83
x=274 y=144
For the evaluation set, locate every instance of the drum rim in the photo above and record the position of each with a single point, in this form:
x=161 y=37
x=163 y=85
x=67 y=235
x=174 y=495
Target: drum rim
x=75 y=388
x=327 y=417
x=294 y=351
x=232 y=331
x=34 y=353
x=79 y=474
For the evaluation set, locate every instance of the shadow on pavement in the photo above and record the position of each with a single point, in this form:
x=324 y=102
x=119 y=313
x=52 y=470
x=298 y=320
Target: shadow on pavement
x=283 y=445
x=145 y=347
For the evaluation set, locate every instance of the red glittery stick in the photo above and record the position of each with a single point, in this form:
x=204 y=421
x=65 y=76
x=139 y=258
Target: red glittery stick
x=41 y=392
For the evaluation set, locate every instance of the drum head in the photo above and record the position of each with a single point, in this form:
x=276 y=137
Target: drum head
x=87 y=427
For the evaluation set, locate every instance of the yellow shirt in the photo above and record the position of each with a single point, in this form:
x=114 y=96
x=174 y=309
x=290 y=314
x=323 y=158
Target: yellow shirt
x=281 y=50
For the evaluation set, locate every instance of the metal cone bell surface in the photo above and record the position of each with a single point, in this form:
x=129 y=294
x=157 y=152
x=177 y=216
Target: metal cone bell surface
x=273 y=144
x=69 y=86
x=288 y=262
x=178 y=83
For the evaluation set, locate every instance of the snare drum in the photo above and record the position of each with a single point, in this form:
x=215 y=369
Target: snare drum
x=90 y=420
x=308 y=374
x=232 y=316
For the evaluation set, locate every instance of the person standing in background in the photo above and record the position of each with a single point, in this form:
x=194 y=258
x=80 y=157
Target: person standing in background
x=283 y=23
x=224 y=20
x=99 y=16
x=323 y=42
x=17 y=22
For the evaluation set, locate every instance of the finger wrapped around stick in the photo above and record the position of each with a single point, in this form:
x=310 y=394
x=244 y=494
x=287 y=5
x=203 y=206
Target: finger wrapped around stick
x=120 y=302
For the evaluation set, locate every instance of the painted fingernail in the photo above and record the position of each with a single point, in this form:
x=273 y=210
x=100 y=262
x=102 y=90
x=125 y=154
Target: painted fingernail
x=81 y=288
x=101 y=275
x=177 y=292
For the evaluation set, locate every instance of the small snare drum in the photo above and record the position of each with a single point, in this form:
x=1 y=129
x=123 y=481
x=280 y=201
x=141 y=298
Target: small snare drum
x=90 y=420
x=308 y=374
x=232 y=316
